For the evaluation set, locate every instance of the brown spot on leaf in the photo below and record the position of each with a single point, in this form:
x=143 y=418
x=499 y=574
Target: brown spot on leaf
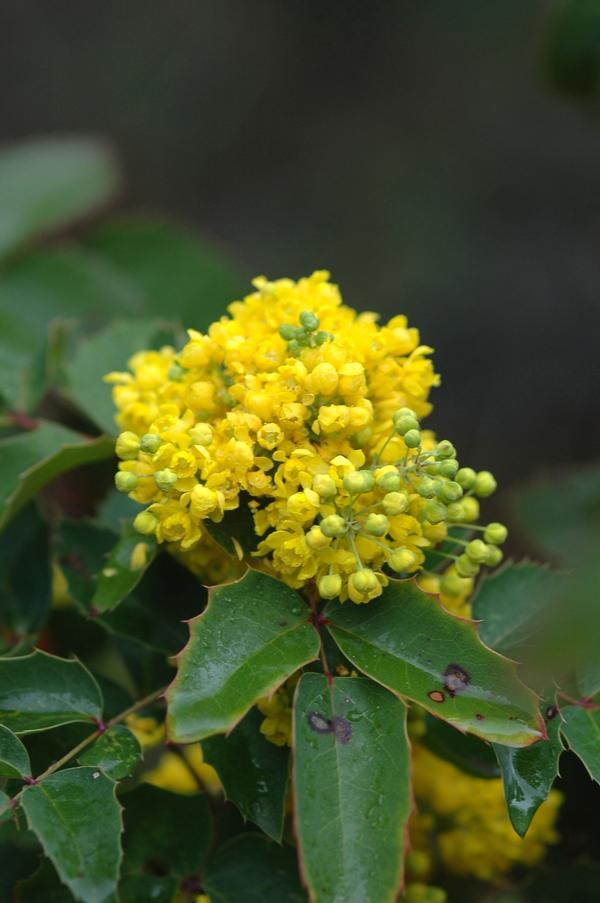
x=479 y=716
x=437 y=696
x=319 y=723
x=341 y=728
x=551 y=712
x=456 y=679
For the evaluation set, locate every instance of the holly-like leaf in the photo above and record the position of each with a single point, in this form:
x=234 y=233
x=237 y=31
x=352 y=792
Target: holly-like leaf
x=165 y=834
x=33 y=458
x=124 y=568
x=351 y=787
x=406 y=641
x=76 y=817
x=253 y=771
x=252 y=869
x=528 y=774
x=47 y=183
x=253 y=635
x=14 y=758
x=116 y=752
x=40 y=691
x=581 y=730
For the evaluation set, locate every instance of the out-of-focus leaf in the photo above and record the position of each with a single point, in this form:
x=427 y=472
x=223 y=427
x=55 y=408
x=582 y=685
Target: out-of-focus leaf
x=225 y=668
x=116 y=752
x=14 y=758
x=40 y=691
x=235 y=533
x=125 y=566
x=351 y=788
x=19 y=854
x=175 y=269
x=252 y=869
x=253 y=771
x=581 y=729
x=468 y=753
x=76 y=817
x=47 y=183
x=573 y=52
x=44 y=886
x=31 y=459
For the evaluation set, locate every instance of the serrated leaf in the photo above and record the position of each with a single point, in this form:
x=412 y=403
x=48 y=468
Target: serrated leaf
x=581 y=730
x=528 y=774
x=124 y=568
x=116 y=752
x=165 y=833
x=252 y=869
x=14 y=758
x=76 y=817
x=351 y=787
x=253 y=635
x=40 y=691
x=30 y=460
x=253 y=771
x=47 y=183
x=468 y=753
x=406 y=641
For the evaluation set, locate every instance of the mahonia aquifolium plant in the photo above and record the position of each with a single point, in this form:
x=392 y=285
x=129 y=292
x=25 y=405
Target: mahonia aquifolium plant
x=310 y=415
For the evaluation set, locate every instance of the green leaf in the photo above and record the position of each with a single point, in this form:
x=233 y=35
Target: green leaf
x=102 y=353
x=116 y=752
x=172 y=267
x=31 y=459
x=123 y=569
x=573 y=57
x=47 y=183
x=251 y=869
x=76 y=817
x=406 y=641
x=44 y=886
x=14 y=758
x=165 y=833
x=528 y=774
x=252 y=636
x=140 y=888
x=581 y=730
x=40 y=691
x=352 y=788
x=253 y=771
x=25 y=589
x=235 y=534
x=468 y=753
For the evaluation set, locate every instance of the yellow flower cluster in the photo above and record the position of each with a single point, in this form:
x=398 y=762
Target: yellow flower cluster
x=277 y=709
x=309 y=413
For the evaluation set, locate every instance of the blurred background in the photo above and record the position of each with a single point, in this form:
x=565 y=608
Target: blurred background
x=441 y=159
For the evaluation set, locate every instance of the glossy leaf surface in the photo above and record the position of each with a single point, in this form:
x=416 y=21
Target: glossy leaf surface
x=14 y=758
x=252 y=869
x=581 y=729
x=123 y=569
x=116 y=752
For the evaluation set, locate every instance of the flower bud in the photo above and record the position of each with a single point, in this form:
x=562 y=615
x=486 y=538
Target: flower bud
x=165 y=479
x=395 y=503
x=455 y=512
x=334 y=525
x=377 y=524
x=427 y=488
x=145 y=522
x=389 y=481
x=316 y=539
x=435 y=512
x=494 y=557
x=495 y=534
x=309 y=320
x=150 y=443
x=406 y=412
x=485 y=484
x=294 y=347
x=287 y=332
x=201 y=434
x=449 y=491
x=445 y=449
x=324 y=486
x=125 y=481
x=364 y=581
x=466 y=477
x=448 y=468
x=127 y=446
x=470 y=509
x=404 y=422
x=359 y=481
x=175 y=372
x=418 y=864
x=412 y=439
x=322 y=337
x=465 y=567
x=203 y=501
x=477 y=551
x=330 y=586
x=451 y=585
x=402 y=560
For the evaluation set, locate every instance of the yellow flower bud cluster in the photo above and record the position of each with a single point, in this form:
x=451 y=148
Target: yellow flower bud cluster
x=308 y=412
x=277 y=709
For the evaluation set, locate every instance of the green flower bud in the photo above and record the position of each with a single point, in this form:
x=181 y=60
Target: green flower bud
x=309 y=320
x=125 y=481
x=150 y=443
x=470 y=509
x=287 y=332
x=403 y=423
x=448 y=468
x=389 y=481
x=427 y=487
x=201 y=434
x=145 y=522
x=494 y=557
x=406 y=412
x=435 y=512
x=412 y=439
x=322 y=337
x=175 y=372
x=402 y=560
x=330 y=586
x=364 y=581
x=445 y=449
x=449 y=491
x=456 y=512
x=377 y=524
x=359 y=481
x=334 y=525
x=127 y=446
x=294 y=347
x=466 y=477
x=418 y=864
x=451 y=585
x=495 y=534
x=395 y=503
x=165 y=479
x=316 y=539
x=477 y=551
x=324 y=486
x=465 y=567
x=485 y=484
x=362 y=438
